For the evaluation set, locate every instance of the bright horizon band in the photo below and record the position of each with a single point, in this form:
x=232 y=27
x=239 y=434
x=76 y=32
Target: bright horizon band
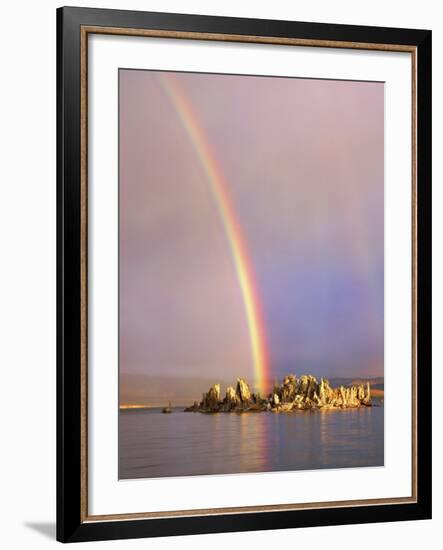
x=220 y=194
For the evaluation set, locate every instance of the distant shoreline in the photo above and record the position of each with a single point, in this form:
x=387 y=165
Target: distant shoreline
x=377 y=393
x=126 y=407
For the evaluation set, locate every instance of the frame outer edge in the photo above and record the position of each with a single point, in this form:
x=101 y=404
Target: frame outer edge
x=59 y=245
x=424 y=275
x=68 y=277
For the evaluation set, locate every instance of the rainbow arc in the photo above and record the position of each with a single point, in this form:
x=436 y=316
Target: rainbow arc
x=223 y=202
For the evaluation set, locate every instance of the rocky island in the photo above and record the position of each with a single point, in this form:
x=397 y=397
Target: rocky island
x=292 y=394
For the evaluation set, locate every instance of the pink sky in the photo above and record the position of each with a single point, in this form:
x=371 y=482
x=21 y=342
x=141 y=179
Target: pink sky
x=303 y=160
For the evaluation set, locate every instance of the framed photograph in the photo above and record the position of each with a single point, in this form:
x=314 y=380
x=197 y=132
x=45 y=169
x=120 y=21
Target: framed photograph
x=244 y=274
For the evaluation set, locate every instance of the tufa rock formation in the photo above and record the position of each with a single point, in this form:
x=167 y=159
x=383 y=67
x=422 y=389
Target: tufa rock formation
x=210 y=401
x=293 y=394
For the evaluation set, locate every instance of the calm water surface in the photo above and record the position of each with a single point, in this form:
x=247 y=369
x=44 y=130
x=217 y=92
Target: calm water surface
x=153 y=444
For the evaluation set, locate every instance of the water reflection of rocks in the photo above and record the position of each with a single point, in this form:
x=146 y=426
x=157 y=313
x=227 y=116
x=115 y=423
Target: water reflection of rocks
x=292 y=394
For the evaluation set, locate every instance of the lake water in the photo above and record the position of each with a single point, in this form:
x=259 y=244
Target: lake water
x=153 y=444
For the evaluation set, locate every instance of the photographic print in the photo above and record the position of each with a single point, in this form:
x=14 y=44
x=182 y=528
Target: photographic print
x=251 y=274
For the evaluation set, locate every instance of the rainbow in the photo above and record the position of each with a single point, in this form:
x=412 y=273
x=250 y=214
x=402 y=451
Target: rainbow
x=223 y=202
